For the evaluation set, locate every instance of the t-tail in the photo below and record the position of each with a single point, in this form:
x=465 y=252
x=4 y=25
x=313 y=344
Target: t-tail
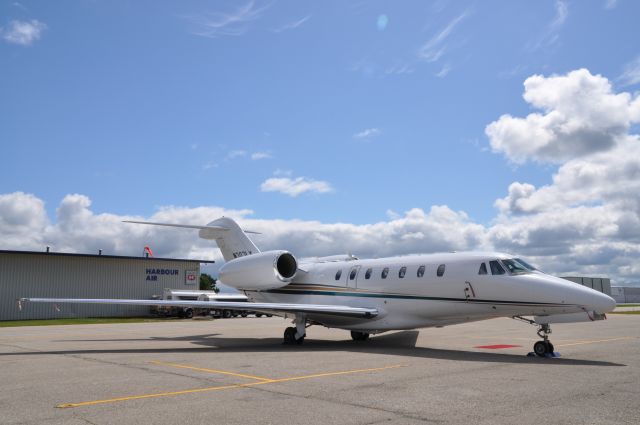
x=231 y=239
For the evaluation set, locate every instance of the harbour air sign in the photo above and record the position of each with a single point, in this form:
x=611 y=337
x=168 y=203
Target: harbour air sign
x=152 y=274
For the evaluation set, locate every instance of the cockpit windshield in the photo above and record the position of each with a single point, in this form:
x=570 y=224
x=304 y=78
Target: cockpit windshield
x=526 y=265
x=516 y=266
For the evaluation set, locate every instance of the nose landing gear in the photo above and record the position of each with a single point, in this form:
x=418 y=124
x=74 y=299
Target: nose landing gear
x=542 y=348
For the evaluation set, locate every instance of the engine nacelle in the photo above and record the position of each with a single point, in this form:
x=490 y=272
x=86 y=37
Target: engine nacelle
x=265 y=270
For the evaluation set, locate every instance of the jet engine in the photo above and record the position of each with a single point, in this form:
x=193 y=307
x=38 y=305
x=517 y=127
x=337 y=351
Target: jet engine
x=265 y=270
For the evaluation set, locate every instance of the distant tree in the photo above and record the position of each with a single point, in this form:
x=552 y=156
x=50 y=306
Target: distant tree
x=207 y=283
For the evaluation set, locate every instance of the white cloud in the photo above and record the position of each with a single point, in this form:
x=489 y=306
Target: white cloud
x=236 y=154
x=562 y=12
x=367 y=133
x=581 y=115
x=392 y=215
x=587 y=221
x=444 y=71
x=220 y=24
x=295 y=186
x=631 y=73
x=400 y=69
x=260 y=155
x=292 y=25
x=23 y=33
x=550 y=35
x=435 y=47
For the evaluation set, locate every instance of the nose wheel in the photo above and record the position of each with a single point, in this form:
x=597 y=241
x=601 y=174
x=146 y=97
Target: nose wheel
x=542 y=348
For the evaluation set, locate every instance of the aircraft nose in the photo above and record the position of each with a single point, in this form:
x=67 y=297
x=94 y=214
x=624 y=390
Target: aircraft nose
x=603 y=303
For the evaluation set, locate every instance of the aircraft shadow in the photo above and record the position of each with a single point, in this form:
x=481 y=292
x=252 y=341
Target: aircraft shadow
x=401 y=343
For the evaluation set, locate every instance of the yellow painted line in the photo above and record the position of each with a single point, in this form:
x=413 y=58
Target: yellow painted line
x=221 y=372
x=223 y=387
x=595 y=341
x=346 y=372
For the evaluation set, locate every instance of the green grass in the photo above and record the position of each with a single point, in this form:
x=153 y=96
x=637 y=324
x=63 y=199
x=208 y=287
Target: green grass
x=83 y=321
x=625 y=312
x=628 y=305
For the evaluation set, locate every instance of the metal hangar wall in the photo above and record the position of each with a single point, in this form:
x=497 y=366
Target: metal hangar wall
x=61 y=275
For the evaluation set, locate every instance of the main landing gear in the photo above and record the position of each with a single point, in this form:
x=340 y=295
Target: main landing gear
x=542 y=348
x=295 y=335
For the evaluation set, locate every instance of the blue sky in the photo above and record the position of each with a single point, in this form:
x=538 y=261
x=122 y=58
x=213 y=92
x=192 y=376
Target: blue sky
x=352 y=112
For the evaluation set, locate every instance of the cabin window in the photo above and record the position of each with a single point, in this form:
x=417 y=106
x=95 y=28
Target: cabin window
x=338 y=274
x=483 y=269
x=385 y=273
x=402 y=272
x=421 y=271
x=367 y=274
x=353 y=274
x=496 y=268
x=440 y=271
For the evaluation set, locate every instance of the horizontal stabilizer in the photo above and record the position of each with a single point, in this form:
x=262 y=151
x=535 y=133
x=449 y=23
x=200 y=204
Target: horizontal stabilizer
x=185 y=226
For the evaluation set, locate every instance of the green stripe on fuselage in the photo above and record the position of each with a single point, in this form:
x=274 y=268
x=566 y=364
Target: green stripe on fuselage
x=401 y=296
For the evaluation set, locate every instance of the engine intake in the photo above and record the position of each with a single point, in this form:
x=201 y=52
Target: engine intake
x=265 y=270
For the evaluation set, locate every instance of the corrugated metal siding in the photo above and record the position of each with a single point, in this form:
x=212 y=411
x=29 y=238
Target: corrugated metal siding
x=597 y=283
x=49 y=276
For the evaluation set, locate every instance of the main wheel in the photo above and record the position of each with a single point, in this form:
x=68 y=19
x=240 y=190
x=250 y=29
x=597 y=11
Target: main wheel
x=541 y=348
x=359 y=336
x=290 y=335
x=188 y=313
x=550 y=348
x=226 y=314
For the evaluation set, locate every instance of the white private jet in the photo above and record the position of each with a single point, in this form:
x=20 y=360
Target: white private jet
x=394 y=293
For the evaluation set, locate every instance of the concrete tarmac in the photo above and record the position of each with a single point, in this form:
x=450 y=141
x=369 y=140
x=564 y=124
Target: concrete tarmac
x=236 y=371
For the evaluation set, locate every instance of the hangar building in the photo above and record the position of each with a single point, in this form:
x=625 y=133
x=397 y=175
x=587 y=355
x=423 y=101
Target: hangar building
x=599 y=284
x=60 y=275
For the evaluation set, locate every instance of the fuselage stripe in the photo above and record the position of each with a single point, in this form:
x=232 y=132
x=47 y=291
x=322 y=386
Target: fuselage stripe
x=401 y=296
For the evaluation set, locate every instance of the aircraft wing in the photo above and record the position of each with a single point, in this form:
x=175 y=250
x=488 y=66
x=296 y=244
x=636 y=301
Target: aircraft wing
x=335 y=310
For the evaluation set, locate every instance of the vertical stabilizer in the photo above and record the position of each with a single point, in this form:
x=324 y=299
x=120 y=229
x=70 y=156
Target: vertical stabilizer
x=231 y=239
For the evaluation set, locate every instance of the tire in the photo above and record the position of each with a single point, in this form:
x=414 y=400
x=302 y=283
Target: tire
x=226 y=314
x=359 y=336
x=188 y=313
x=540 y=348
x=550 y=348
x=290 y=336
x=258 y=314
x=243 y=314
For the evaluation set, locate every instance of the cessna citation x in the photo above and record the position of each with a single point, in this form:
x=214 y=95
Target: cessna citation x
x=378 y=295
